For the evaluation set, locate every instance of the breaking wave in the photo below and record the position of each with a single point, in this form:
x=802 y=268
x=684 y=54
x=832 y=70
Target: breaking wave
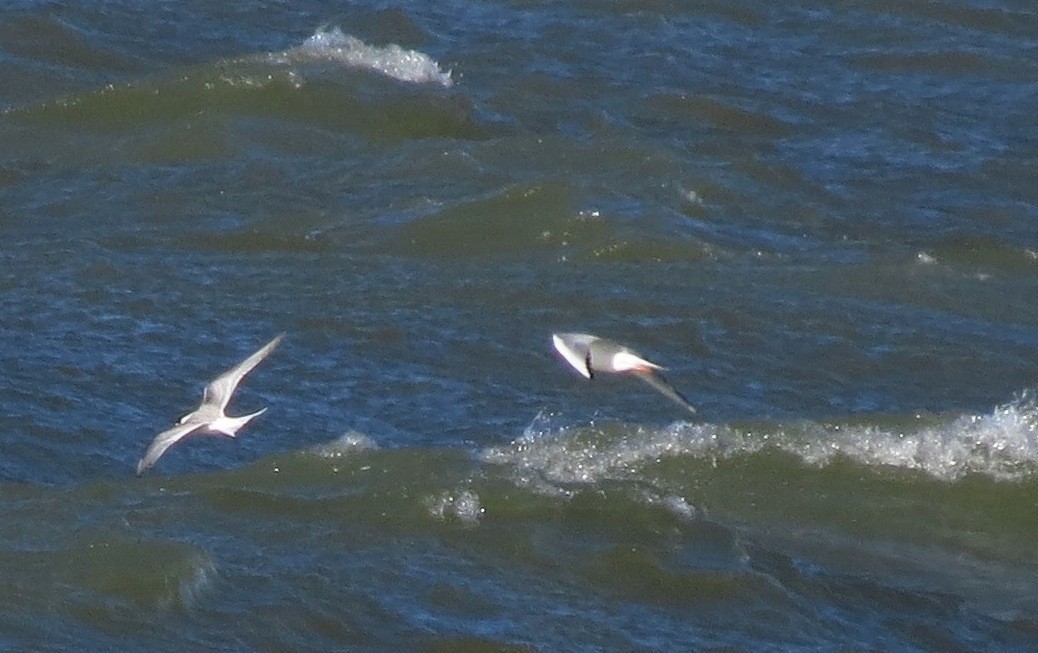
x=346 y=444
x=1001 y=445
x=391 y=60
x=293 y=83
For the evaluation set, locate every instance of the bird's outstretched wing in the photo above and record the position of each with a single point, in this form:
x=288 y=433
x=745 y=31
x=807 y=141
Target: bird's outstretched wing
x=164 y=441
x=664 y=388
x=574 y=348
x=220 y=389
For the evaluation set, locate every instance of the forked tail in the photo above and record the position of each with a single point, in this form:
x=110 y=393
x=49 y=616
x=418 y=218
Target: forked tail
x=230 y=425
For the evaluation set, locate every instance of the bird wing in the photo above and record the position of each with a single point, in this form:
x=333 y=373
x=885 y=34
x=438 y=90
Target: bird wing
x=220 y=389
x=164 y=441
x=664 y=388
x=574 y=349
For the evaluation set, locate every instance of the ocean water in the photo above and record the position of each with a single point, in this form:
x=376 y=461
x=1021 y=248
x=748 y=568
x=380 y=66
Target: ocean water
x=821 y=218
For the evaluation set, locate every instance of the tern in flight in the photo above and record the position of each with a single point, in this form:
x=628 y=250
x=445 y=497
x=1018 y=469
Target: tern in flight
x=210 y=416
x=590 y=354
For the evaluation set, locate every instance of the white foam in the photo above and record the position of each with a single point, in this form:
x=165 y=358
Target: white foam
x=462 y=505
x=548 y=457
x=1002 y=445
x=672 y=503
x=348 y=443
x=392 y=60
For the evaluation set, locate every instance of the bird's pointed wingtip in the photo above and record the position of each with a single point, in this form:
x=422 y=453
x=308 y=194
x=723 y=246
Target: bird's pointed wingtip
x=275 y=341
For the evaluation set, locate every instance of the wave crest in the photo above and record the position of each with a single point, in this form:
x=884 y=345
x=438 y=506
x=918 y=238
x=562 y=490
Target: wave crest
x=1001 y=445
x=392 y=60
x=346 y=444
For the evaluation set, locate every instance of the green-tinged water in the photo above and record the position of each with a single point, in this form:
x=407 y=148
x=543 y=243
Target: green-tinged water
x=631 y=534
x=820 y=220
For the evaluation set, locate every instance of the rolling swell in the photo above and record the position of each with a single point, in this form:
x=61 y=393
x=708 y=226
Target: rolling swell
x=540 y=217
x=256 y=91
x=690 y=519
x=332 y=81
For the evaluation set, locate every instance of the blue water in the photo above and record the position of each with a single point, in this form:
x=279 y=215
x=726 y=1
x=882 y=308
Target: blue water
x=820 y=219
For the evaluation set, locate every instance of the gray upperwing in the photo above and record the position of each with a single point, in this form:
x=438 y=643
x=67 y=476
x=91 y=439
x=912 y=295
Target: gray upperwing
x=664 y=388
x=220 y=389
x=164 y=441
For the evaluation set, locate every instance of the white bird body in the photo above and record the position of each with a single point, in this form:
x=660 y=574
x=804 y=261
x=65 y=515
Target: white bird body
x=590 y=354
x=210 y=417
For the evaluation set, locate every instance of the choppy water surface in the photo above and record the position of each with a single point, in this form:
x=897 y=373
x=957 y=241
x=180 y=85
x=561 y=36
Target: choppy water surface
x=822 y=219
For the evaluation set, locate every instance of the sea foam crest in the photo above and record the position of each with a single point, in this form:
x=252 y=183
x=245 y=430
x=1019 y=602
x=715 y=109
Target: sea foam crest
x=391 y=60
x=1002 y=445
x=548 y=458
x=348 y=443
